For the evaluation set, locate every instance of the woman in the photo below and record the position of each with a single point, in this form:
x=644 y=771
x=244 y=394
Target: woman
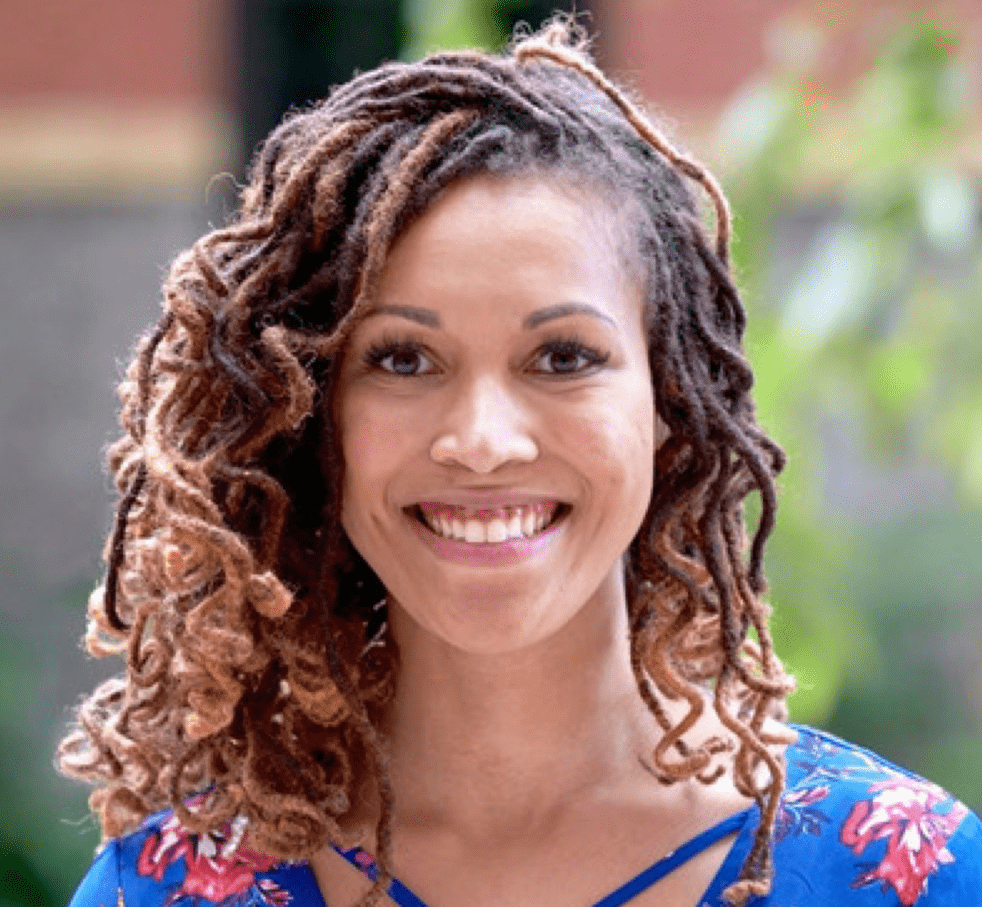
x=430 y=559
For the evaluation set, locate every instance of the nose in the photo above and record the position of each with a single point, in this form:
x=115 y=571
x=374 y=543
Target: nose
x=484 y=429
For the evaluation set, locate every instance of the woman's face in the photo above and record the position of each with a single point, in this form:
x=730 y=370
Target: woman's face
x=497 y=416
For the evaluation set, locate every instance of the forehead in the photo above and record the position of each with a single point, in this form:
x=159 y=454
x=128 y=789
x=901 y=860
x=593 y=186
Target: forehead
x=493 y=226
x=494 y=258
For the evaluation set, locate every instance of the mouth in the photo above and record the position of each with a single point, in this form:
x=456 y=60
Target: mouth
x=488 y=527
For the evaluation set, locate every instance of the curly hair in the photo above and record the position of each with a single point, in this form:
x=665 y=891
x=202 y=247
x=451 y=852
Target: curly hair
x=258 y=662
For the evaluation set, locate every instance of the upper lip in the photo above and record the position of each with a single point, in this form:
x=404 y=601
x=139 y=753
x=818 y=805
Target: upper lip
x=490 y=499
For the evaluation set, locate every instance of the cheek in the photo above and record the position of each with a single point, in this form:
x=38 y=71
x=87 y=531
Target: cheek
x=614 y=446
x=363 y=434
x=364 y=447
x=377 y=443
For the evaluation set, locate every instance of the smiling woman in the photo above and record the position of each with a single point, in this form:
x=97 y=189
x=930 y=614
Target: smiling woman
x=430 y=567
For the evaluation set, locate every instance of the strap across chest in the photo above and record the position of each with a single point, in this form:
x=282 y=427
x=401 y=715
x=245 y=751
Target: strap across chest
x=405 y=897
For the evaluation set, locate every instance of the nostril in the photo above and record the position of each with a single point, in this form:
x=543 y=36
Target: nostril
x=485 y=451
x=484 y=426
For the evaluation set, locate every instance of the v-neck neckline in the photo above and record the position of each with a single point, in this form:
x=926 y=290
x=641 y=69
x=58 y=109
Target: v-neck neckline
x=744 y=825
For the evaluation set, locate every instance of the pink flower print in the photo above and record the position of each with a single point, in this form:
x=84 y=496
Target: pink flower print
x=808 y=796
x=272 y=894
x=220 y=868
x=904 y=812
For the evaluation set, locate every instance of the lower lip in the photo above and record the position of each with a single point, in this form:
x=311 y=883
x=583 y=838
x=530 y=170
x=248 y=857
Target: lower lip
x=491 y=554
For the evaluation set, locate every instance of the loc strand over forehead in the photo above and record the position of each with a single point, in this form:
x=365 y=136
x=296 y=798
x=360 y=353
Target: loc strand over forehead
x=549 y=45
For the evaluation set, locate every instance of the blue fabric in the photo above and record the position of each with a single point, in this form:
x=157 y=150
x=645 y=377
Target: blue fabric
x=853 y=830
x=675 y=859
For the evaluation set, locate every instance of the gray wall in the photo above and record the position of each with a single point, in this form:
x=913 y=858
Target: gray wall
x=78 y=283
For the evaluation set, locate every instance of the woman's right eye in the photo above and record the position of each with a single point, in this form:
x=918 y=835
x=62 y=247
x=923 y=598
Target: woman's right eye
x=403 y=359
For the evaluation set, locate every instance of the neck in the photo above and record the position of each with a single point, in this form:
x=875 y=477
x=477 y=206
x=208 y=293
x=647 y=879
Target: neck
x=479 y=740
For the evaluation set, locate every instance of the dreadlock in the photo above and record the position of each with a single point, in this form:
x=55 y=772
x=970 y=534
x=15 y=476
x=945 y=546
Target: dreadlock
x=258 y=662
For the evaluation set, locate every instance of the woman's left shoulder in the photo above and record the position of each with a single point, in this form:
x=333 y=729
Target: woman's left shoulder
x=859 y=830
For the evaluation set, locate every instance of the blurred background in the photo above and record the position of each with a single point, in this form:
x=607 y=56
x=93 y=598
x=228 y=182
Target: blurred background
x=848 y=135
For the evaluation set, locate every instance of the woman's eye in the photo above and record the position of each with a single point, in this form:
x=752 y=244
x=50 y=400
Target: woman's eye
x=568 y=358
x=403 y=360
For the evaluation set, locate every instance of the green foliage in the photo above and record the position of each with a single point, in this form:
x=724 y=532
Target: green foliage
x=46 y=838
x=859 y=249
x=447 y=25
x=452 y=24
x=883 y=304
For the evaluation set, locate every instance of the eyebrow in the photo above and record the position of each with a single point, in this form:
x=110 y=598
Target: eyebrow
x=425 y=317
x=563 y=310
x=431 y=319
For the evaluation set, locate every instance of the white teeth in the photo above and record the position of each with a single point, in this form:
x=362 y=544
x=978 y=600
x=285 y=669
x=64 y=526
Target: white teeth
x=515 y=525
x=474 y=532
x=511 y=523
x=528 y=522
x=497 y=531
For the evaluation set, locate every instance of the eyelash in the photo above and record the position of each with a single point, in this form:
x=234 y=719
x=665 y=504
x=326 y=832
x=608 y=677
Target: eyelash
x=387 y=347
x=572 y=346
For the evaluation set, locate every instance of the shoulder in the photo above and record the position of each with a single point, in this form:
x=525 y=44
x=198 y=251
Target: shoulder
x=857 y=829
x=162 y=864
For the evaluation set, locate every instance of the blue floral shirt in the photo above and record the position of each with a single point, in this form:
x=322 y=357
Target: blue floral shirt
x=853 y=831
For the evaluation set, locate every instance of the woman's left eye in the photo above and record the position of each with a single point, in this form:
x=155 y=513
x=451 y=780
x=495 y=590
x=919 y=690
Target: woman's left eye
x=568 y=357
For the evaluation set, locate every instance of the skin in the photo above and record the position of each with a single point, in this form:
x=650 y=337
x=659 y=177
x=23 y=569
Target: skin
x=518 y=741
